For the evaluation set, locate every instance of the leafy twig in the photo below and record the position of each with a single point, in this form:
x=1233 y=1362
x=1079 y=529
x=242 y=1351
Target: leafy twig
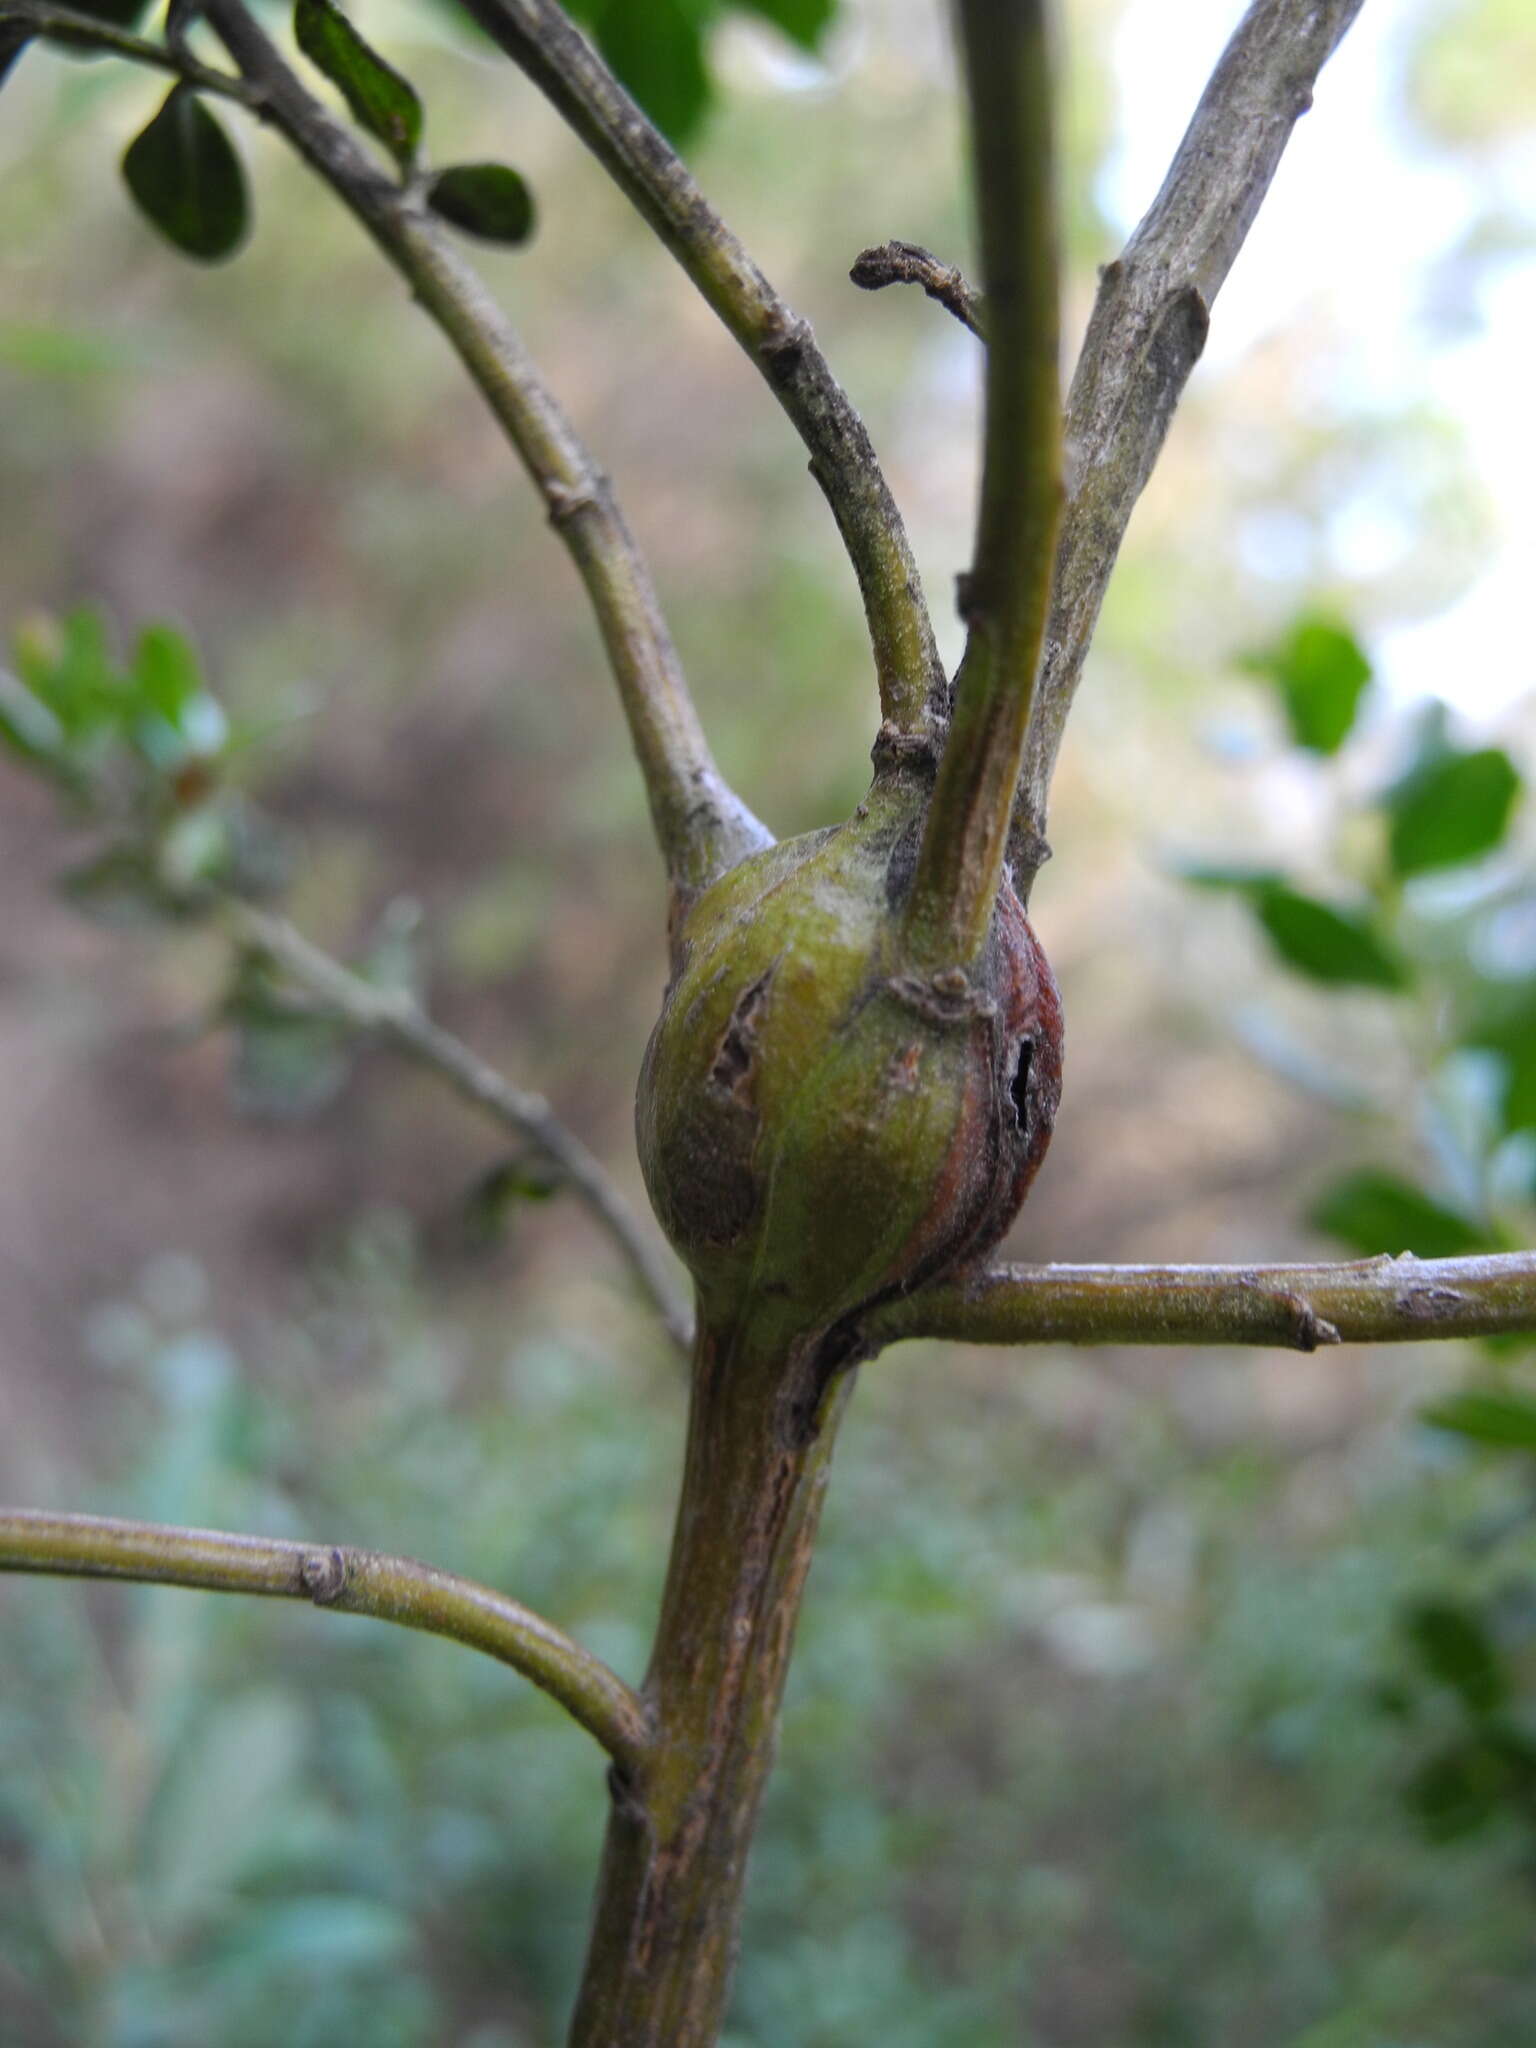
x=1146 y=334
x=909 y=263
x=539 y=37
x=65 y=26
x=680 y=776
x=1006 y=47
x=394 y=1589
x=393 y=1015
x=1369 y=1301
x=701 y=825
x=703 y=828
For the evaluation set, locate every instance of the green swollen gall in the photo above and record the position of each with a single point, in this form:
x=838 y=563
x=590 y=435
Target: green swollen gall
x=820 y=1127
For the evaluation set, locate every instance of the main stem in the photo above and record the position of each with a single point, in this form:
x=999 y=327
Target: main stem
x=1006 y=45
x=760 y=1434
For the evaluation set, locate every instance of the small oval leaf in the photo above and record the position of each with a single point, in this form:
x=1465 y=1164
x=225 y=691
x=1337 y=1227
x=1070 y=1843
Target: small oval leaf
x=166 y=670
x=1454 y=809
x=1336 y=947
x=1321 y=671
x=120 y=13
x=116 y=13
x=28 y=728
x=803 y=21
x=1375 y=1212
x=1458 y=1790
x=1452 y=1643
x=1508 y=1027
x=380 y=100
x=188 y=181
x=488 y=200
x=1492 y=1415
x=657 y=53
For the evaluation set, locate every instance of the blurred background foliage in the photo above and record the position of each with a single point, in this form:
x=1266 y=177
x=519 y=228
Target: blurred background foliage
x=1148 y=1698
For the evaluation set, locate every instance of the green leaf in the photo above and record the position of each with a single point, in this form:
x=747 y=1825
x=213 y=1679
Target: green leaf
x=1458 y=1791
x=1510 y=1030
x=1376 y=1212
x=27 y=727
x=1220 y=875
x=1491 y=1416
x=1519 y=1104
x=803 y=21
x=380 y=99
x=1335 y=947
x=117 y=13
x=287 y=1069
x=290 y=1060
x=1454 y=1647
x=492 y=1202
x=489 y=200
x=167 y=671
x=1321 y=671
x=1454 y=808
x=120 y=13
x=1326 y=944
x=70 y=669
x=177 y=718
x=657 y=50
x=188 y=181
x=529 y=1177
x=195 y=849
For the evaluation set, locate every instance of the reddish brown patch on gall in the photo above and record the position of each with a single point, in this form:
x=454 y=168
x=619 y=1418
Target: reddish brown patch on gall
x=906 y=1068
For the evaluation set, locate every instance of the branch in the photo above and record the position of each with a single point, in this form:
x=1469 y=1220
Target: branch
x=702 y=827
x=393 y=1015
x=350 y=1581
x=1147 y=331
x=494 y=356
x=1372 y=1301
x=86 y=32
x=1007 y=51
x=538 y=36
x=908 y=263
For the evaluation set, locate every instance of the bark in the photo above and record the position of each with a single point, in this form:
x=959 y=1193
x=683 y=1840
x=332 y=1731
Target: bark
x=760 y=1436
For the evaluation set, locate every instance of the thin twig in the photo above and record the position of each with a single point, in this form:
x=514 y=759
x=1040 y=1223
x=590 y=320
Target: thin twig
x=541 y=39
x=664 y=720
x=64 y=26
x=909 y=263
x=394 y=1589
x=1369 y=1301
x=1007 y=51
x=702 y=827
x=1147 y=331
x=393 y=1015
